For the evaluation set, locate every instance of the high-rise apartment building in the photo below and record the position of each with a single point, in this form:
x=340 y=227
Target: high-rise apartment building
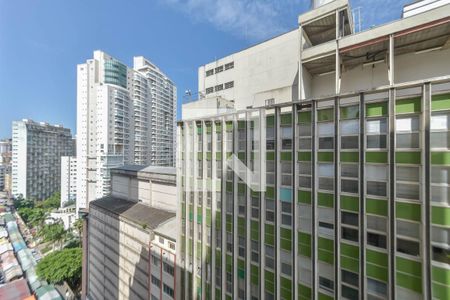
x=117 y=117
x=5 y=164
x=68 y=179
x=351 y=132
x=37 y=149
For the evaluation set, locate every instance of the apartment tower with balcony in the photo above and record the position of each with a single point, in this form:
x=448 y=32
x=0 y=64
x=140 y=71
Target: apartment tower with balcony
x=349 y=133
x=116 y=106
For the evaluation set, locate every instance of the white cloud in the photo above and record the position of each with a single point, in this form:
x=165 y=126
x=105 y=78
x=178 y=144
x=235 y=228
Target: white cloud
x=254 y=20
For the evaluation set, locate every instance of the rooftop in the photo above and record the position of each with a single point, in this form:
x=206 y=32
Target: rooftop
x=161 y=174
x=135 y=212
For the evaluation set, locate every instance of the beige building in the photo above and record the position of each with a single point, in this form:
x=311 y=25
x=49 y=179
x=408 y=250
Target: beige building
x=131 y=236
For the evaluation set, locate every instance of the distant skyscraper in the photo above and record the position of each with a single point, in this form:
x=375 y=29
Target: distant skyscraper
x=36 y=158
x=124 y=116
x=68 y=179
x=5 y=164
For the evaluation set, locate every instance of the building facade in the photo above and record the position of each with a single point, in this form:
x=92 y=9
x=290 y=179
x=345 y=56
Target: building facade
x=131 y=237
x=115 y=109
x=353 y=203
x=5 y=164
x=68 y=179
x=37 y=149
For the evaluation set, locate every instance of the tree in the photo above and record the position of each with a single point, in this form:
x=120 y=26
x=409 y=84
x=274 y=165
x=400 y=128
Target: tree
x=63 y=265
x=53 y=233
x=54 y=201
x=78 y=226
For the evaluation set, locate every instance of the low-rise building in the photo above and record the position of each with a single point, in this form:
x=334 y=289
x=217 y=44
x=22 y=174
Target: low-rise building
x=68 y=179
x=131 y=237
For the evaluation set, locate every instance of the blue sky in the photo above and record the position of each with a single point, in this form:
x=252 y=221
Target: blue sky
x=41 y=42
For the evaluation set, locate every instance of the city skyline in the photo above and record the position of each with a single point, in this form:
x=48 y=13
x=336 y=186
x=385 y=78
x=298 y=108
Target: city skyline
x=57 y=49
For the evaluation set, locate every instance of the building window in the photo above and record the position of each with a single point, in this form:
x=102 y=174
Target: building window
x=229 y=65
x=229 y=85
x=209 y=90
x=155 y=260
x=169 y=269
x=209 y=72
x=156 y=281
x=326 y=284
x=218 y=87
x=376 y=184
x=168 y=290
x=407 y=132
x=376 y=131
x=219 y=69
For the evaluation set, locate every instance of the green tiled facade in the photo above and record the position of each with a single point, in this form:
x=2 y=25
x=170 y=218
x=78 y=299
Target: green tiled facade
x=356 y=203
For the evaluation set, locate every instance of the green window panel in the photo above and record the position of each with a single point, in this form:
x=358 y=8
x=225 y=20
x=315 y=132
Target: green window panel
x=350 y=257
x=325 y=250
x=254 y=274
x=218 y=257
x=255 y=193
x=241 y=268
x=350 y=264
x=208 y=156
x=408 y=211
x=349 y=112
x=208 y=128
x=440 y=158
x=199 y=129
x=286 y=239
x=304 y=117
x=285 y=288
x=229 y=186
x=407 y=157
x=208 y=254
x=304 y=197
x=270 y=155
x=304 y=156
x=208 y=217
x=440 y=215
x=409 y=282
x=270 y=192
x=377 y=109
x=229 y=298
x=304 y=292
x=241 y=156
x=229 y=154
x=218 y=155
x=218 y=219
x=199 y=155
x=199 y=250
x=440 y=291
x=325 y=297
x=229 y=126
x=229 y=260
x=325 y=115
x=380 y=157
x=326 y=244
x=241 y=226
x=269 y=229
x=269 y=279
x=270 y=121
x=411 y=267
x=254 y=225
x=325 y=199
x=241 y=124
x=349 y=203
x=325 y=156
x=377 y=265
x=229 y=223
x=377 y=272
x=199 y=219
x=376 y=207
x=241 y=188
x=349 y=156
x=406 y=106
x=269 y=235
x=304 y=244
x=441 y=275
x=286 y=119
x=183 y=209
x=191 y=213
x=440 y=102
x=286 y=156
x=218 y=187
x=218 y=127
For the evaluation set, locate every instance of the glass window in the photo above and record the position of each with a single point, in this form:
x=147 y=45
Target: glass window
x=349 y=127
x=440 y=235
x=376 y=126
x=440 y=140
x=350 y=142
x=376 y=141
x=441 y=254
x=349 y=186
x=304 y=168
x=376 y=240
x=408 y=174
x=440 y=175
x=304 y=129
x=325 y=129
x=326 y=143
x=376 y=188
x=376 y=287
x=350 y=278
x=408 y=191
x=349 y=234
x=349 y=170
x=286 y=132
x=304 y=181
x=349 y=218
x=378 y=173
x=326 y=284
x=408 y=229
x=408 y=247
x=349 y=293
x=326 y=170
x=376 y=223
x=326 y=184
